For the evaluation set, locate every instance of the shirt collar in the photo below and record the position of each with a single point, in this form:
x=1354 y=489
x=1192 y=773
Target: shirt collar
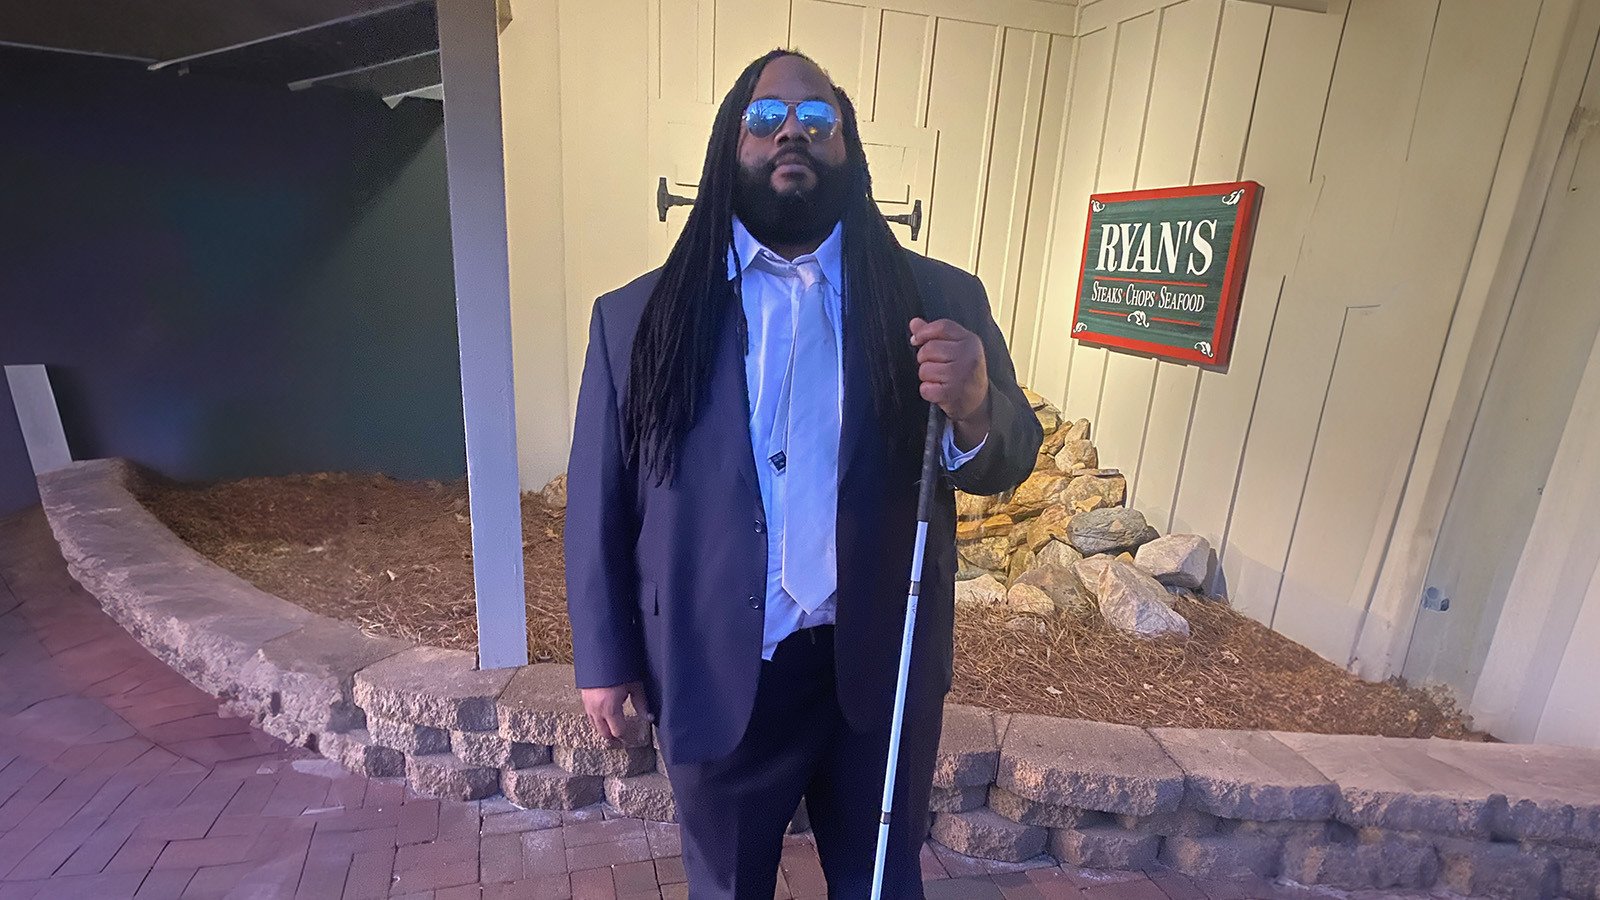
x=830 y=255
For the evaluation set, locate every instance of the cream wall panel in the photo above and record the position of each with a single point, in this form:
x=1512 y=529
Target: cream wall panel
x=1380 y=389
x=1178 y=94
x=681 y=43
x=1124 y=395
x=531 y=125
x=905 y=65
x=1370 y=113
x=608 y=193
x=1080 y=162
x=1038 y=233
x=1524 y=411
x=1552 y=588
x=1571 y=715
x=746 y=29
x=1025 y=58
x=835 y=35
x=1558 y=60
x=1296 y=68
x=965 y=71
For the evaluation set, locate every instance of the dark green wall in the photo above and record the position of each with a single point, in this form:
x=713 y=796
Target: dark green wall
x=226 y=279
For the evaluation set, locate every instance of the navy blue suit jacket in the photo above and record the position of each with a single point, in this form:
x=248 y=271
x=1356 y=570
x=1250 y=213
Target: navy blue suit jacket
x=666 y=583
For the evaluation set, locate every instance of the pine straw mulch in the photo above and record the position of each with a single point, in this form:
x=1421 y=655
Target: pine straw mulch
x=394 y=557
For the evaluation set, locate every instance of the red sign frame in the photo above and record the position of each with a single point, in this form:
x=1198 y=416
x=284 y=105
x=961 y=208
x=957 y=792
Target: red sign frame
x=1221 y=343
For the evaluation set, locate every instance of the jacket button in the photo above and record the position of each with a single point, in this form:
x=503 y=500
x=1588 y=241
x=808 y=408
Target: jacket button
x=761 y=527
x=754 y=603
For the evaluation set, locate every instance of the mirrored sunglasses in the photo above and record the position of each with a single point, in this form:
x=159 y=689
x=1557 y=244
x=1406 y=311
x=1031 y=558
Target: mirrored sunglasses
x=819 y=120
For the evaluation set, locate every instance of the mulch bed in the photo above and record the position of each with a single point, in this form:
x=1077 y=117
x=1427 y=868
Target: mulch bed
x=394 y=557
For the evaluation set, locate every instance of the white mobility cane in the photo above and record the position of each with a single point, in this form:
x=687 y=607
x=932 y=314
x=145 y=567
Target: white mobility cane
x=930 y=457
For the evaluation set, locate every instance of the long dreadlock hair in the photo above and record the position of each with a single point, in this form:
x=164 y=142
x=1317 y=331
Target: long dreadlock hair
x=670 y=366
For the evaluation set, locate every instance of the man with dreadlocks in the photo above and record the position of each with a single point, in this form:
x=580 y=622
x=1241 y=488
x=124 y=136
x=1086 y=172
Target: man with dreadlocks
x=743 y=488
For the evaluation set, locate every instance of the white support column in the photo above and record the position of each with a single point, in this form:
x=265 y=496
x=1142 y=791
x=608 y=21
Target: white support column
x=470 y=59
x=39 y=417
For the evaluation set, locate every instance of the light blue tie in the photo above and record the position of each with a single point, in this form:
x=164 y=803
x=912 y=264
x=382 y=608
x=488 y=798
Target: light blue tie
x=811 y=476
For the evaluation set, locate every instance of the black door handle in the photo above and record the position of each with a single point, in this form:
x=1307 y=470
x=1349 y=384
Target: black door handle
x=665 y=199
x=912 y=219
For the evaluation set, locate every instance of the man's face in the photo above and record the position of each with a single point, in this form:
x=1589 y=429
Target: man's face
x=792 y=187
x=790 y=154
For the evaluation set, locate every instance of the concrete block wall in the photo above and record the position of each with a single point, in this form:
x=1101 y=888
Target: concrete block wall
x=1352 y=812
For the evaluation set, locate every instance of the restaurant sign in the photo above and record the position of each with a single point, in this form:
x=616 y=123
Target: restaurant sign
x=1163 y=270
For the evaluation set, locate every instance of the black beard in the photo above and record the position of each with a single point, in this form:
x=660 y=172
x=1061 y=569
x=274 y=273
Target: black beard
x=791 y=217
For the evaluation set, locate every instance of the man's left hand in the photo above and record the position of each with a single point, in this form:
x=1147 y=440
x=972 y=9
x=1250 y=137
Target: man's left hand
x=955 y=375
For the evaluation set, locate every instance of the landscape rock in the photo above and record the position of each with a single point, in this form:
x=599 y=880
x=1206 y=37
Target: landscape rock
x=1077 y=431
x=1029 y=599
x=997 y=524
x=1057 y=552
x=1039 y=491
x=1035 y=400
x=1089 y=571
x=1059 y=584
x=991 y=553
x=966 y=571
x=554 y=494
x=1136 y=603
x=1087 y=493
x=1075 y=455
x=1022 y=561
x=1050 y=525
x=973 y=506
x=1106 y=530
x=984 y=834
x=1049 y=418
x=1181 y=560
x=985 y=590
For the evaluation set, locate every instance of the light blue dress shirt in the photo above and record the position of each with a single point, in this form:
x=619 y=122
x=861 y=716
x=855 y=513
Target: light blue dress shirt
x=770 y=304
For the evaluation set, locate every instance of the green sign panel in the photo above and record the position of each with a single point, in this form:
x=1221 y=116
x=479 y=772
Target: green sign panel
x=1163 y=270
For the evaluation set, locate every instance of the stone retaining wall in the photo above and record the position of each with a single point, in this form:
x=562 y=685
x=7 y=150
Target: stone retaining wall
x=1495 y=820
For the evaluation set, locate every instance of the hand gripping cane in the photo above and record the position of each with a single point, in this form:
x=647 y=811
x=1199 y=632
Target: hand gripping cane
x=930 y=458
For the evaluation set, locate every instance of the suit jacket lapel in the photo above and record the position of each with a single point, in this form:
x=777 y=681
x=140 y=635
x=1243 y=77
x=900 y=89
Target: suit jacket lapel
x=728 y=403
x=856 y=426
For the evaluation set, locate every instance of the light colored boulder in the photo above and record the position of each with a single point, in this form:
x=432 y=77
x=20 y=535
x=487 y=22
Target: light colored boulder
x=1179 y=560
x=985 y=590
x=1134 y=602
x=1090 y=492
x=1039 y=491
x=1057 y=552
x=555 y=493
x=1075 y=455
x=1030 y=598
x=1059 y=584
x=1047 y=526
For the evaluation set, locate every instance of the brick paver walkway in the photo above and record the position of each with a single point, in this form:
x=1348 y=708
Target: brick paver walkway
x=120 y=779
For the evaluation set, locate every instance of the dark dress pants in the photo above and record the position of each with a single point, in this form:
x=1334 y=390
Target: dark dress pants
x=733 y=811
